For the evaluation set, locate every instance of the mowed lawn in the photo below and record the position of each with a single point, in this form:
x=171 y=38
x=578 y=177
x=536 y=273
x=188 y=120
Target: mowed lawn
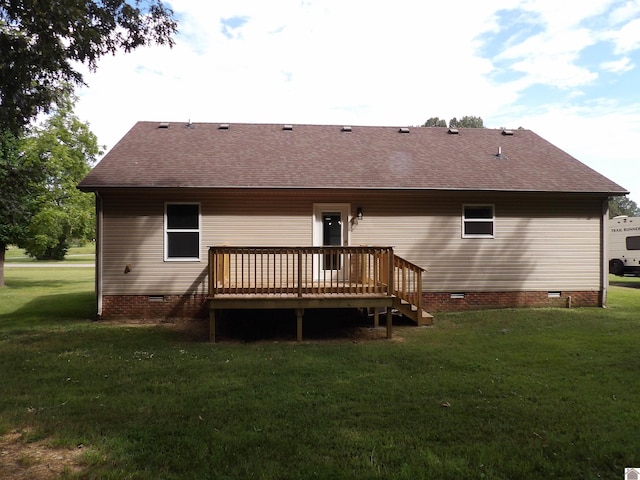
x=531 y=393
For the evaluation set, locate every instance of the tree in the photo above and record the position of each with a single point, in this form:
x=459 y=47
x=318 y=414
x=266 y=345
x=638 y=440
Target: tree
x=19 y=178
x=65 y=148
x=468 y=122
x=435 y=122
x=465 y=122
x=41 y=43
x=623 y=206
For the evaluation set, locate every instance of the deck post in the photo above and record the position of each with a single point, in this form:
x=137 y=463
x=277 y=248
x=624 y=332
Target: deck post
x=212 y=325
x=299 y=314
x=376 y=317
x=299 y=274
x=212 y=272
x=389 y=322
x=390 y=271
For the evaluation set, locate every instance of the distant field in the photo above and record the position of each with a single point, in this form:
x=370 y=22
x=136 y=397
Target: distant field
x=84 y=254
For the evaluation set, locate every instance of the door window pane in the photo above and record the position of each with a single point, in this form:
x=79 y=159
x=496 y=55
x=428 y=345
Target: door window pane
x=332 y=235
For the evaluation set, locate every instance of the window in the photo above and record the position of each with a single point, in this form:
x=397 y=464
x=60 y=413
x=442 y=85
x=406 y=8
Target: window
x=182 y=231
x=633 y=243
x=478 y=221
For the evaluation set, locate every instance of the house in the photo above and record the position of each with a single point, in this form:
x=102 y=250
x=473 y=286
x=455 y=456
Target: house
x=197 y=217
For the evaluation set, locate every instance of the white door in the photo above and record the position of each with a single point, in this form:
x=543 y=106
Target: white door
x=330 y=228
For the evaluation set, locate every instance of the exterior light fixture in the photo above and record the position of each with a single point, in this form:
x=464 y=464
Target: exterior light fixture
x=359 y=215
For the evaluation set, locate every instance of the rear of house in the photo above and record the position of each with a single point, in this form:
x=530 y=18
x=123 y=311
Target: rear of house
x=492 y=218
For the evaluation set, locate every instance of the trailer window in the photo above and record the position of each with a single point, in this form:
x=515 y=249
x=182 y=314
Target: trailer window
x=478 y=221
x=633 y=243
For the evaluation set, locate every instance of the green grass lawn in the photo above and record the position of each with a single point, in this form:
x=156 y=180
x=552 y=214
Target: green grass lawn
x=530 y=393
x=83 y=254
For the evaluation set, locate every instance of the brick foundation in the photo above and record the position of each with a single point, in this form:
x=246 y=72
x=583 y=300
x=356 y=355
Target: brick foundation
x=444 y=302
x=164 y=307
x=154 y=307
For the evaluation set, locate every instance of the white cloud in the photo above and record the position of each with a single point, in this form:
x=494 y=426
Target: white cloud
x=625 y=12
x=603 y=134
x=618 y=66
x=627 y=37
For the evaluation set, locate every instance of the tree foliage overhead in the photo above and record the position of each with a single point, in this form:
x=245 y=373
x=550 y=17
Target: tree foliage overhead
x=623 y=206
x=40 y=42
x=65 y=148
x=464 y=122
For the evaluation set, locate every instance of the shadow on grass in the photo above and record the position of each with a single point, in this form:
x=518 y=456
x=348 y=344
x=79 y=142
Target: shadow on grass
x=280 y=325
x=625 y=284
x=45 y=282
x=50 y=310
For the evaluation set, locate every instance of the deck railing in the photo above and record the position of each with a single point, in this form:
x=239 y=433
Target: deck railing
x=407 y=281
x=300 y=271
x=304 y=271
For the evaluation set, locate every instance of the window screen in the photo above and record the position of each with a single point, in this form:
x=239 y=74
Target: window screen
x=478 y=221
x=182 y=240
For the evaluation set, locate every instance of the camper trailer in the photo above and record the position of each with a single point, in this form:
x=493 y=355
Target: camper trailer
x=624 y=245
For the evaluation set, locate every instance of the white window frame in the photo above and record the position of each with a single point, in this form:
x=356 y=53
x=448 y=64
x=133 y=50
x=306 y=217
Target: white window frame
x=479 y=220
x=167 y=258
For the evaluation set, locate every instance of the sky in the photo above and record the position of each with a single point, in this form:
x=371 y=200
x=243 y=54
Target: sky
x=568 y=70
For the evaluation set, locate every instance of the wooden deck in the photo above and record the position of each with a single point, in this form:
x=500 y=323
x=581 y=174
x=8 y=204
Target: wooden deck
x=313 y=277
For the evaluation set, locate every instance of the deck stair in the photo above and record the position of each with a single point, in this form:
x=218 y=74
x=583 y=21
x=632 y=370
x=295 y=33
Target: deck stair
x=412 y=312
x=407 y=291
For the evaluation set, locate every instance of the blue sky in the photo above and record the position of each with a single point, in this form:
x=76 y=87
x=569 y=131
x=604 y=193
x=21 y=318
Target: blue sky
x=568 y=70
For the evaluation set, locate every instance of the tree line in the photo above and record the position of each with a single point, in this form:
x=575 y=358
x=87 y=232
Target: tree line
x=468 y=121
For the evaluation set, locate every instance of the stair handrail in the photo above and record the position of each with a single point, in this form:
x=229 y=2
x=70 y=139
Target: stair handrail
x=407 y=284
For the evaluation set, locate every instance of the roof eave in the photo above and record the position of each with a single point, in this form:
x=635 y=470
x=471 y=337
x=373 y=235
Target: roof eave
x=95 y=188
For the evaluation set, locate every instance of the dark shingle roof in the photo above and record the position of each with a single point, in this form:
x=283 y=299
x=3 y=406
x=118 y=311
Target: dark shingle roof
x=326 y=156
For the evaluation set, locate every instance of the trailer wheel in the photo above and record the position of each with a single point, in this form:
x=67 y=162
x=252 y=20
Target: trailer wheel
x=616 y=267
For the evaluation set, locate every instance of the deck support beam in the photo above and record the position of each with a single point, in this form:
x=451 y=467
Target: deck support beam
x=389 y=322
x=212 y=325
x=299 y=315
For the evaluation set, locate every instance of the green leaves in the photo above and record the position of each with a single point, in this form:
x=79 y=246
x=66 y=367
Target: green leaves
x=623 y=206
x=40 y=41
x=64 y=148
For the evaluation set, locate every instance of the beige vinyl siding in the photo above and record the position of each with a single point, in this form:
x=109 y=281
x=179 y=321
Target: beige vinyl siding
x=537 y=244
x=133 y=234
